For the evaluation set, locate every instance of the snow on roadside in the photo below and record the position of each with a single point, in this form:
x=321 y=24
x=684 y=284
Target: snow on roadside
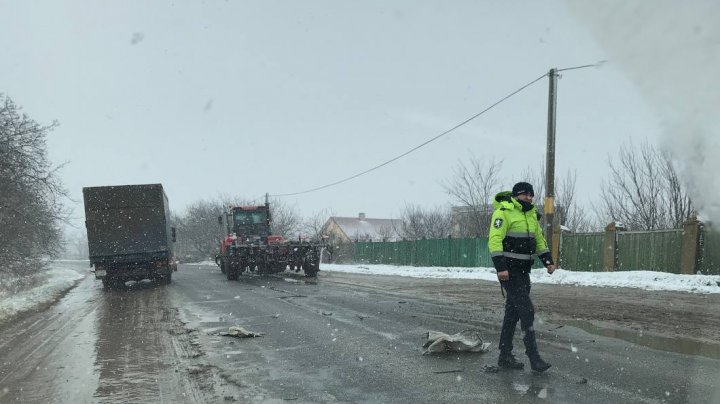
x=647 y=280
x=199 y=263
x=57 y=280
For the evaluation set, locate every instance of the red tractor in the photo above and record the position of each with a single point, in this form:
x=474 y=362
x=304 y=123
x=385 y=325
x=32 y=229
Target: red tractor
x=251 y=246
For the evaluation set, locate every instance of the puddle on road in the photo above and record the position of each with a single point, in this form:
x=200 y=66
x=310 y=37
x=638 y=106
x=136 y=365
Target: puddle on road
x=679 y=345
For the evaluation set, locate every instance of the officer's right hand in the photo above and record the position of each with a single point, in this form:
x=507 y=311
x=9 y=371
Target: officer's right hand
x=503 y=275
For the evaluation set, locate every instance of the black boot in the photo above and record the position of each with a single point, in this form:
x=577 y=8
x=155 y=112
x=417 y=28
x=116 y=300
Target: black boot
x=536 y=362
x=508 y=361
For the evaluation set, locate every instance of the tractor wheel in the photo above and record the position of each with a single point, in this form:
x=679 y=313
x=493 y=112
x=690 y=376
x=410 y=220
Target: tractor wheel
x=311 y=268
x=231 y=273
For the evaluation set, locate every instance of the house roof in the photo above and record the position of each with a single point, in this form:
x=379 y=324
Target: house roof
x=375 y=229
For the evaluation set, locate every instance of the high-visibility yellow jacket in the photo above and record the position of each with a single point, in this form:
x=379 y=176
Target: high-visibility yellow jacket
x=515 y=235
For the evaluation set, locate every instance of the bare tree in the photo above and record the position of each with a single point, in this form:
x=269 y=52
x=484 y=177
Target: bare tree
x=314 y=225
x=568 y=211
x=473 y=185
x=644 y=191
x=76 y=245
x=199 y=233
x=387 y=233
x=418 y=223
x=31 y=193
x=286 y=220
x=677 y=201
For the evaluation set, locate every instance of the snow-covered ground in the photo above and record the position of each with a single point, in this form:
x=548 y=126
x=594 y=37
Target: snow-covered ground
x=648 y=280
x=60 y=276
x=629 y=279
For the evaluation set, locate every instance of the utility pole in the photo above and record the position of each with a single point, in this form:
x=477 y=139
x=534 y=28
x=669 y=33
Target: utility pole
x=550 y=159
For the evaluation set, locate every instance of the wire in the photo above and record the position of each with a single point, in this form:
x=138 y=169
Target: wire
x=436 y=137
x=416 y=147
x=597 y=64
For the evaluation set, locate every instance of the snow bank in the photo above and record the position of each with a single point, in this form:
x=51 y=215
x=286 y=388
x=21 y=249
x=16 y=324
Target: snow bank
x=56 y=280
x=648 y=280
x=199 y=263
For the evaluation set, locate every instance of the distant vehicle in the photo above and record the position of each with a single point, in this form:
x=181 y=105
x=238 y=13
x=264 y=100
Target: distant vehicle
x=129 y=233
x=251 y=246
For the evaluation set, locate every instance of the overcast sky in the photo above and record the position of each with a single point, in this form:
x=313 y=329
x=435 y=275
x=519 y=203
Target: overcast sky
x=248 y=97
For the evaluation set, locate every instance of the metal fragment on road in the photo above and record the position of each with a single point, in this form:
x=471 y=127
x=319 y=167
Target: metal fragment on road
x=239 y=332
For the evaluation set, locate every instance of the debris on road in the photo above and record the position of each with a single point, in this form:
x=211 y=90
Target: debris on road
x=327 y=313
x=464 y=341
x=239 y=332
x=490 y=369
x=439 y=372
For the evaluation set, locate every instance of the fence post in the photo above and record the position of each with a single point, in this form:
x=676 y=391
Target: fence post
x=555 y=246
x=690 y=246
x=610 y=247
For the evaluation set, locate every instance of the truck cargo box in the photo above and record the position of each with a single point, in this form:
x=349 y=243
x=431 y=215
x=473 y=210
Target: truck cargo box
x=127 y=223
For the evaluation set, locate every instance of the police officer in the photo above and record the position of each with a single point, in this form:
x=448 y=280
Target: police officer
x=515 y=236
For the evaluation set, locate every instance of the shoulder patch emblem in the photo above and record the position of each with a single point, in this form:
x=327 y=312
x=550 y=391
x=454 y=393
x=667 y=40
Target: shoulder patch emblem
x=498 y=223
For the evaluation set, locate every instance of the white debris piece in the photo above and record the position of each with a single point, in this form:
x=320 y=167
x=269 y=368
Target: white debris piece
x=464 y=341
x=239 y=332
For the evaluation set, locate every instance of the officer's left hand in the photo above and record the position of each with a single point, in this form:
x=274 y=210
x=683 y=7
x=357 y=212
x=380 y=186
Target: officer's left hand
x=550 y=269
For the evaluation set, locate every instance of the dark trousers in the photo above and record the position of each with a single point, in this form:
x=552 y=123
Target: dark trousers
x=518 y=307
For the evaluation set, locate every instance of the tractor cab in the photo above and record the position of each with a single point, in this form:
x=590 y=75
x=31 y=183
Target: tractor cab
x=250 y=222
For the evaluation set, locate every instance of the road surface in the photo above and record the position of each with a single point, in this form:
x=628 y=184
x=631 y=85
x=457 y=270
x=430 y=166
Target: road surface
x=353 y=338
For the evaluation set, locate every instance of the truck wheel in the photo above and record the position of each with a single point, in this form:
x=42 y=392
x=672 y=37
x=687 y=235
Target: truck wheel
x=223 y=266
x=107 y=283
x=167 y=279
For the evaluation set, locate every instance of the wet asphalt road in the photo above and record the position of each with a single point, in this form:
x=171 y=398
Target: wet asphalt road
x=346 y=339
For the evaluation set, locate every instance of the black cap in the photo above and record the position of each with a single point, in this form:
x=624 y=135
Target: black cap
x=522 y=188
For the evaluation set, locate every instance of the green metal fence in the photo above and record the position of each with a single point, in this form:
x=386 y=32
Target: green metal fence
x=635 y=250
x=649 y=250
x=710 y=252
x=451 y=252
x=582 y=251
x=456 y=252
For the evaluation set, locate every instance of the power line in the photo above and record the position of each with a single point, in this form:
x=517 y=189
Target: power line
x=596 y=64
x=416 y=147
x=434 y=138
